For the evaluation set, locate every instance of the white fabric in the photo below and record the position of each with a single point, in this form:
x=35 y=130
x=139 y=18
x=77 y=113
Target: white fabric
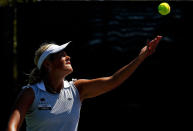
x=54 y=112
x=52 y=49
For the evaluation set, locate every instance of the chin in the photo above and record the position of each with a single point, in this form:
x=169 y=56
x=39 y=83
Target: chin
x=69 y=70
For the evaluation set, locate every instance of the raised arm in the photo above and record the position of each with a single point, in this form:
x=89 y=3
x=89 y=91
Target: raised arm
x=98 y=86
x=23 y=102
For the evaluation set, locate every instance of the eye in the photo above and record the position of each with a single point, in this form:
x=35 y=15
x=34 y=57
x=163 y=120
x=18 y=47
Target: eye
x=62 y=54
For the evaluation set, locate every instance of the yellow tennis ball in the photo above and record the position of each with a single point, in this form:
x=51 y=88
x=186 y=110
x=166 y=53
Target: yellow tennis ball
x=164 y=8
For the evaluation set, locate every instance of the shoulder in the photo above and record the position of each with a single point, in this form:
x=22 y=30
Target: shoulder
x=25 y=97
x=27 y=92
x=80 y=82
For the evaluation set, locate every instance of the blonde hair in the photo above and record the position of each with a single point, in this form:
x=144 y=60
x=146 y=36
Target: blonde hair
x=36 y=74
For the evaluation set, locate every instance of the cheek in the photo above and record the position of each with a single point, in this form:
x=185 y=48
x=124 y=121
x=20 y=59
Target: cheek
x=60 y=64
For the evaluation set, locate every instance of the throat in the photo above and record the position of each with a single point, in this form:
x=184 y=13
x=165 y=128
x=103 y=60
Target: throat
x=52 y=90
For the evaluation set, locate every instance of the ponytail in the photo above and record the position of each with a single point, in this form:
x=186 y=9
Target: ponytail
x=36 y=75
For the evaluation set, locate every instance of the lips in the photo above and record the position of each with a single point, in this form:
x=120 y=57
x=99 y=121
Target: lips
x=68 y=62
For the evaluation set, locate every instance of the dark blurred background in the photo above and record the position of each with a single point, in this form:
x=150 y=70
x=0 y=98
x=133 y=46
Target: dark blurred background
x=105 y=36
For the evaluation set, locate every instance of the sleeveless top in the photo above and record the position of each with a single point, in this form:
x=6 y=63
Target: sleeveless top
x=54 y=112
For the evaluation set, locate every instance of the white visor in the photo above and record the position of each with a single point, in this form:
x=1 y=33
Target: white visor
x=51 y=50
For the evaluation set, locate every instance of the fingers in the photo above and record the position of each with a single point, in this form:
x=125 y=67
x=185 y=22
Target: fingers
x=159 y=36
x=153 y=44
x=148 y=43
x=157 y=40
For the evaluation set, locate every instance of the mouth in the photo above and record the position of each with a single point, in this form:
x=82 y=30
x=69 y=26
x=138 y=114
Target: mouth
x=68 y=62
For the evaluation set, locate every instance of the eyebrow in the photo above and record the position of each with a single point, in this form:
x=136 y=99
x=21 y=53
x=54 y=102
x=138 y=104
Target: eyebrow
x=64 y=52
x=61 y=53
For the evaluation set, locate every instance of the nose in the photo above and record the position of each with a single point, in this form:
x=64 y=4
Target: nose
x=68 y=58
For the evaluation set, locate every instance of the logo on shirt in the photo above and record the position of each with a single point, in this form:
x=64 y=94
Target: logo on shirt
x=43 y=105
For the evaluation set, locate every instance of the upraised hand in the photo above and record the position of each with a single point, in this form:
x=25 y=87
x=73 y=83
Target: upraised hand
x=150 y=48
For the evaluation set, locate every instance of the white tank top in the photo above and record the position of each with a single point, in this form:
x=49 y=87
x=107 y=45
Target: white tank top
x=54 y=112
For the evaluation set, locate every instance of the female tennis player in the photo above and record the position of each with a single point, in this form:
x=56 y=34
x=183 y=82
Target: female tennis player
x=51 y=103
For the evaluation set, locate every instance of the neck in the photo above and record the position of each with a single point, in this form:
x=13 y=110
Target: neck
x=54 y=84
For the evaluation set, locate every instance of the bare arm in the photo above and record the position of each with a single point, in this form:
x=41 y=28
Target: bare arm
x=98 y=86
x=21 y=106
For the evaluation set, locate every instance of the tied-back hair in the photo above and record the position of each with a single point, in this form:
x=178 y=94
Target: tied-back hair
x=37 y=75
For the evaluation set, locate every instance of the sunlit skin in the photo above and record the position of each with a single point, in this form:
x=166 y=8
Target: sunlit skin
x=60 y=67
x=94 y=87
x=62 y=62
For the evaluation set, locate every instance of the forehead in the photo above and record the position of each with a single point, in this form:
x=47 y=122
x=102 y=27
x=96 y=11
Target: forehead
x=58 y=54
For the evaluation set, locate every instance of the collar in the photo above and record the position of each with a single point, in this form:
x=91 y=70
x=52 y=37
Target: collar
x=41 y=85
